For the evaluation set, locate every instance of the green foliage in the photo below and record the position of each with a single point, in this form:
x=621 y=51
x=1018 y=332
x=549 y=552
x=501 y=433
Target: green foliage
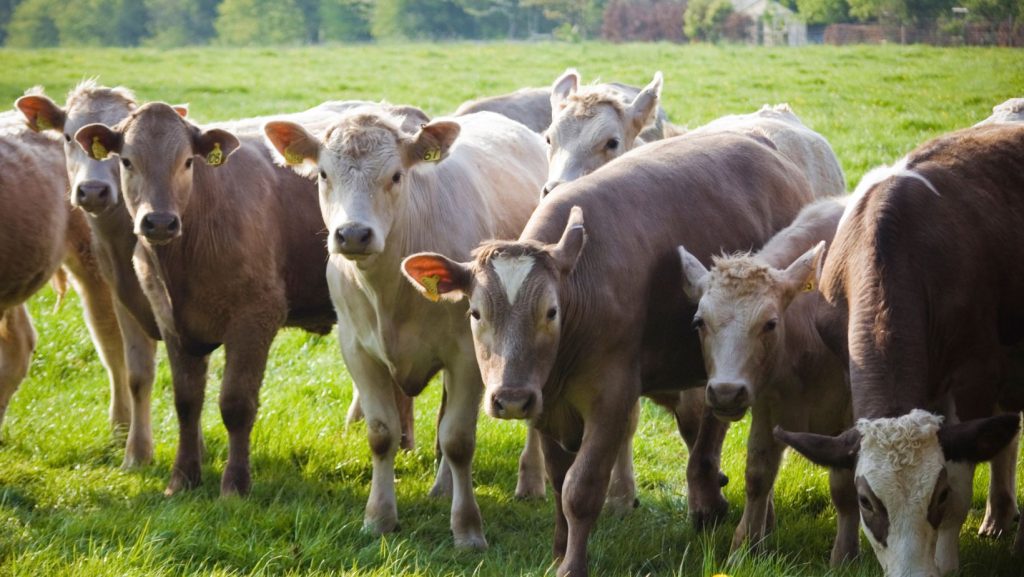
x=899 y=11
x=250 y=22
x=33 y=23
x=824 y=11
x=181 y=22
x=575 y=18
x=703 y=19
x=994 y=10
x=66 y=508
x=345 y=20
x=413 y=19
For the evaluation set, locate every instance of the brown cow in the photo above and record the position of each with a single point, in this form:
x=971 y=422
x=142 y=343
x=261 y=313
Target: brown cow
x=569 y=336
x=38 y=232
x=927 y=262
x=231 y=249
x=756 y=321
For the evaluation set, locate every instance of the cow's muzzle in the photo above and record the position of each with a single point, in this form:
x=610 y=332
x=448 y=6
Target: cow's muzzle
x=513 y=403
x=353 y=241
x=728 y=401
x=160 y=227
x=93 y=196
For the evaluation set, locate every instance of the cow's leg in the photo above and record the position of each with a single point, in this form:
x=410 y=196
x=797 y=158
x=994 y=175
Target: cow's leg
x=458 y=443
x=557 y=462
x=531 y=467
x=355 y=410
x=688 y=410
x=586 y=484
x=703 y=473
x=443 y=481
x=947 y=548
x=100 y=317
x=1001 y=507
x=621 y=498
x=140 y=358
x=844 y=497
x=383 y=431
x=764 y=454
x=188 y=374
x=405 y=408
x=245 y=361
x=17 y=342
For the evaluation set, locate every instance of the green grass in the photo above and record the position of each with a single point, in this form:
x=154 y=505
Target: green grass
x=67 y=509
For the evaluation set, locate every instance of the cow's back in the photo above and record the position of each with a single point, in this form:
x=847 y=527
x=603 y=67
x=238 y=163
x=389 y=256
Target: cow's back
x=528 y=106
x=713 y=194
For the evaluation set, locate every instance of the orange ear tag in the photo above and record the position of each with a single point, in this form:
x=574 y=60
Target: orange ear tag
x=99 y=152
x=430 y=285
x=216 y=156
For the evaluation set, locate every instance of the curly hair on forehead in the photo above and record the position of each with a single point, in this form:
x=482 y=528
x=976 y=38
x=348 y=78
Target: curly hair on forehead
x=492 y=249
x=586 y=101
x=89 y=89
x=362 y=131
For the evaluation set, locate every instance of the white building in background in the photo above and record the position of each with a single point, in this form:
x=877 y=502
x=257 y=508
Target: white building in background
x=773 y=23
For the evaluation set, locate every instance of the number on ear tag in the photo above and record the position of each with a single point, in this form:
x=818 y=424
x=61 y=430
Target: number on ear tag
x=432 y=155
x=216 y=156
x=430 y=284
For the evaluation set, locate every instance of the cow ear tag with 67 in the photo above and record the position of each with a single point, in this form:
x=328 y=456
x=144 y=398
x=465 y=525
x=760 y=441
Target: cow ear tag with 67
x=432 y=155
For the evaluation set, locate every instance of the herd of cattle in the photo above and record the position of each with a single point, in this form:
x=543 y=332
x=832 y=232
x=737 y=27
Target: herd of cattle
x=716 y=271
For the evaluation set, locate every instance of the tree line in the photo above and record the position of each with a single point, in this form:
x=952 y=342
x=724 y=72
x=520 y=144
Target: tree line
x=166 y=23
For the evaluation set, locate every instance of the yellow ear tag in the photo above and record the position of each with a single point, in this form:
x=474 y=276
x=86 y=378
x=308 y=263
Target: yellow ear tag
x=430 y=284
x=809 y=286
x=43 y=124
x=99 y=152
x=216 y=156
x=293 y=157
x=432 y=155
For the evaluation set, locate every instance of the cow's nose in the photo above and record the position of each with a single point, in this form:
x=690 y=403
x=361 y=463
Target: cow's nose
x=549 y=186
x=353 y=239
x=93 y=196
x=729 y=400
x=511 y=403
x=161 y=227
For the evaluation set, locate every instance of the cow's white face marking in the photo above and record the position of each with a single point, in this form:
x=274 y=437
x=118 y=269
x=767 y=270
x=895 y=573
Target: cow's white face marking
x=512 y=272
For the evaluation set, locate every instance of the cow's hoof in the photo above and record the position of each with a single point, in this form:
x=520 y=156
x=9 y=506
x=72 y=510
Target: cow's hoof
x=378 y=527
x=471 y=542
x=621 y=506
x=137 y=456
x=235 y=483
x=997 y=524
x=706 y=517
x=529 y=493
x=182 y=481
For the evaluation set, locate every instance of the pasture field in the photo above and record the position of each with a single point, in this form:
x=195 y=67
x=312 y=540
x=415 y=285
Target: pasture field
x=66 y=508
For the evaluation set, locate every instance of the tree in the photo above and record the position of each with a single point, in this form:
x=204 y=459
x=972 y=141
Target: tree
x=824 y=11
x=245 y=22
x=345 y=20
x=32 y=24
x=6 y=11
x=394 y=19
x=900 y=11
x=995 y=10
x=181 y=22
x=704 y=19
x=583 y=17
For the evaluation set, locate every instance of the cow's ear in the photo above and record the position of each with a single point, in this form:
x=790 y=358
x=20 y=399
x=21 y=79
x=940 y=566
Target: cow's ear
x=430 y=143
x=800 y=276
x=695 y=276
x=641 y=111
x=293 y=143
x=181 y=109
x=438 y=277
x=563 y=86
x=99 y=140
x=214 y=145
x=833 y=452
x=567 y=252
x=41 y=113
x=978 y=440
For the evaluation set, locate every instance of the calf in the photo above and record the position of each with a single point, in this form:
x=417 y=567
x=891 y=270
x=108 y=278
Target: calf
x=756 y=320
x=39 y=232
x=572 y=325
x=926 y=265
x=387 y=192
x=230 y=249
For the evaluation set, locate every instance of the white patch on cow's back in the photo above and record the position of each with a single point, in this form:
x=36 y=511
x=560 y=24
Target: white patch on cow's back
x=877 y=175
x=512 y=272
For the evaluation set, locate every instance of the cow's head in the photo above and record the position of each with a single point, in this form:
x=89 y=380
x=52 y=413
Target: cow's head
x=908 y=481
x=156 y=148
x=366 y=163
x=514 y=308
x=741 y=306
x=95 y=184
x=591 y=125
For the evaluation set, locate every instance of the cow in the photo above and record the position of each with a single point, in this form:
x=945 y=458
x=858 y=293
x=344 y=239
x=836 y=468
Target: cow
x=528 y=106
x=1011 y=110
x=96 y=189
x=926 y=267
x=39 y=234
x=572 y=323
x=387 y=192
x=230 y=249
x=756 y=318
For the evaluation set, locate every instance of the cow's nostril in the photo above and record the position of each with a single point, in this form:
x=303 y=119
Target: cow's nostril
x=104 y=193
x=338 y=235
x=497 y=404
x=366 y=236
x=528 y=404
x=174 y=225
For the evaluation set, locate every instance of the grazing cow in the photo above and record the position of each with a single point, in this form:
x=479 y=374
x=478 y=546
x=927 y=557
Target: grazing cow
x=756 y=321
x=387 y=192
x=927 y=265
x=572 y=325
x=230 y=250
x=806 y=148
x=38 y=233
x=1010 y=111
x=96 y=189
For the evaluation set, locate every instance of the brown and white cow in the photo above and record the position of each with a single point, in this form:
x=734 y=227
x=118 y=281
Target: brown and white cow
x=756 y=317
x=230 y=250
x=927 y=265
x=386 y=192
x=39 y=232
x=96 y=189
x=573 y=322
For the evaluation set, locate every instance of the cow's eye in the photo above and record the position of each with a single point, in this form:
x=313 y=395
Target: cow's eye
x=126 y=163
x=770 y=325
x=865 y=504
x=943 y=495
x=552 y=313
x=188 y=163
x=698 y=323
x=323 y=175
x=612 y=143
x=548 y=140
x=397 y=177
x=67 y=138
x=475 y=313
